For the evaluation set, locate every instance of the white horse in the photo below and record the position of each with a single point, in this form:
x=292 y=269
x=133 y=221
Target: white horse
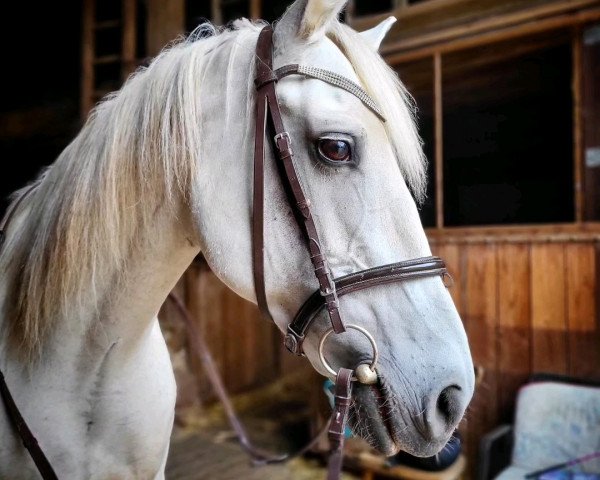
x=162 y=170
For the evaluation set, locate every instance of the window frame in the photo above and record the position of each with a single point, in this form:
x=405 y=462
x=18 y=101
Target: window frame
x=415 y=50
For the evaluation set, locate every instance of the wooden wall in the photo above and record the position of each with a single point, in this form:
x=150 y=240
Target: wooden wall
x=529 y=304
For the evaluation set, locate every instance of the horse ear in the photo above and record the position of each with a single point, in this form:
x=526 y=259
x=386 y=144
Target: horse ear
x=307 y=20
x=374 y=36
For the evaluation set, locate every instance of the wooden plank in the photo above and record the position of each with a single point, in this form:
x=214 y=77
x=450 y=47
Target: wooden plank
x=480 y=318
x=255 y=9
x=591 y=120
x=531 y=28
x=575 y=232
x=447 y=16
x=439 y=146
x=128 y=40
x=485 y=24
x=107 y=59
x=514 y=325
x=87 y=57
x=582 y=307
x=577 y=49
x=166 y=20
x=252 y=359
x=241 y=342
x=548 y=309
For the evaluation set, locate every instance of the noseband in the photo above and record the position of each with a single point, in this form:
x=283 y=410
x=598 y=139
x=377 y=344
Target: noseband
x=330 y=289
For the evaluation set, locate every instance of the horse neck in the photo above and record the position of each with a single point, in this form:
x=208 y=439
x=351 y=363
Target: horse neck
x=151 y=273
x=126 y=309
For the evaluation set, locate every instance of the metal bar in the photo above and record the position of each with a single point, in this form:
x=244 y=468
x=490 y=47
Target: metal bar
x=217 y=14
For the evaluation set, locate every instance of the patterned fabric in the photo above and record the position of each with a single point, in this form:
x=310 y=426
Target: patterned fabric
x=555 y=423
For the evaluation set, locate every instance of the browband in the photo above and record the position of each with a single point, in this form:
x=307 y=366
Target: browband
x=334 y=79
x=324 y=75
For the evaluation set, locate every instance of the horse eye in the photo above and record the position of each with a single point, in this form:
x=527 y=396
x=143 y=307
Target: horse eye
x=335 y=150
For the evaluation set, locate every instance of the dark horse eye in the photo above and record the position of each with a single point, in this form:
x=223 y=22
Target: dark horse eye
x=335 y=150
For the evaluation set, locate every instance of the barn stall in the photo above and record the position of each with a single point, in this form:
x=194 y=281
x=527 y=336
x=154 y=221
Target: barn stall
x=509 y=114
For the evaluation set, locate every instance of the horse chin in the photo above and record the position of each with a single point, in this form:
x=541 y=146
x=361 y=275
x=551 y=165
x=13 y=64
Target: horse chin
x=376 y=419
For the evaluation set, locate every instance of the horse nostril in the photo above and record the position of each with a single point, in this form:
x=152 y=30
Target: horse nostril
x=448 y=404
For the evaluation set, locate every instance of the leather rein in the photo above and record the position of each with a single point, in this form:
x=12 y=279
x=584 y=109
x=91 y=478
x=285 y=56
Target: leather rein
x=268 y=116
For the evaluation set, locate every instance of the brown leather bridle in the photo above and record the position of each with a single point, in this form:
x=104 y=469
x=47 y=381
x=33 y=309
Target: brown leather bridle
x=330 y=289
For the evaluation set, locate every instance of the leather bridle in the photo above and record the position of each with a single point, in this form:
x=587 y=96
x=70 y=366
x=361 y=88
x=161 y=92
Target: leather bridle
x=330 y=289
x=268 y=114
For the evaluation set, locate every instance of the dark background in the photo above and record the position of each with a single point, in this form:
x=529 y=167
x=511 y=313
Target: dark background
x=39 y=103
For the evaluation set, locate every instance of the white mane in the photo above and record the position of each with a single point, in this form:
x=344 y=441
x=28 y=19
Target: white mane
x=139 y=150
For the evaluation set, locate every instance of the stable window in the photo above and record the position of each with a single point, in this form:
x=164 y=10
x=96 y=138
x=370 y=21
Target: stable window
x=508 y=136
x=510 y=129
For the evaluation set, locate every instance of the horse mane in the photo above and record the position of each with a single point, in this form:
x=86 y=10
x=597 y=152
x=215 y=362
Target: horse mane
x=137 y=152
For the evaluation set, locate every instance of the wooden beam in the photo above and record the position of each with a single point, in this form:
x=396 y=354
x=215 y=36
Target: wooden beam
x=577 y=66
x=87 y=57
x=364 y=22
x=439 y=145
x=216 y=12
x=486 y=24
x=590 y=117
x=166 y=21
x=255 y=9
x=538 y=26
x=570 y=232
x=128 y=41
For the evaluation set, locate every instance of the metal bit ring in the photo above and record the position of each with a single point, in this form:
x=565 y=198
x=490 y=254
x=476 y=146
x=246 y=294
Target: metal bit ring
x=353 y=327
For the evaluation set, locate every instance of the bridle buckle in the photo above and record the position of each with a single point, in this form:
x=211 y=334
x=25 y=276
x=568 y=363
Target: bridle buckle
x=293 y=342
x=330 y=287
x=286 y=142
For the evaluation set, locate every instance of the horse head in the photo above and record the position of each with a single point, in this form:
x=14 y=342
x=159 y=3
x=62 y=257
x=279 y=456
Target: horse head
x=363 y=175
